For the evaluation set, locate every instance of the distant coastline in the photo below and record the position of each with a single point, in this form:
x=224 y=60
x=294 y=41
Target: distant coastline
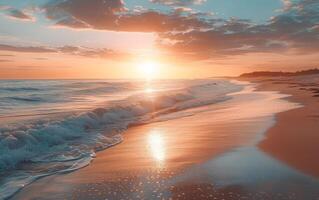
x=280 y=73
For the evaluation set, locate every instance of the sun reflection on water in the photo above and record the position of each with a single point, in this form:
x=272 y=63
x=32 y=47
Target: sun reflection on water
x=157 y=147
x=149 y=90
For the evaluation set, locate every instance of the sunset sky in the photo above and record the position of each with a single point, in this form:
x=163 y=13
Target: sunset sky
x=50 y=39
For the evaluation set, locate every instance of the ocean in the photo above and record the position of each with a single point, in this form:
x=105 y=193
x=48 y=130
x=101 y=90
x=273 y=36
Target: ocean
x=56 y=126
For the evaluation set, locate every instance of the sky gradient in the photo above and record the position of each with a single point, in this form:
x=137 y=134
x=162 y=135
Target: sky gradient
x=52 y=39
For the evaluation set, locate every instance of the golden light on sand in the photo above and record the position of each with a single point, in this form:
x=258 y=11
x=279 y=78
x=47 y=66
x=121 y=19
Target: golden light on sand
x=157 y=146
x=148 y=69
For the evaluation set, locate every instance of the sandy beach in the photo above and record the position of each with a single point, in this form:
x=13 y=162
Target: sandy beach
x=258 y=145
x=294 y=137
x=159 y=100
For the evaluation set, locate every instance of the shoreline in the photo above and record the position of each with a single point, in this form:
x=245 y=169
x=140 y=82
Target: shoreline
x=111 y=165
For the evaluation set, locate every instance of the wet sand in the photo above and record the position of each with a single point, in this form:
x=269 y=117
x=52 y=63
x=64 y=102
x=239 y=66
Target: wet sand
x=175 y=159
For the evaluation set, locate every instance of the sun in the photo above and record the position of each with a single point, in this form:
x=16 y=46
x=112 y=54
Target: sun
x=148 y=69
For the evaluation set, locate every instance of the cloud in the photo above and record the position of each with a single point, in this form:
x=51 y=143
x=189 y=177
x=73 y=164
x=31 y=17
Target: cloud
x=41 y=58
x=83 y=13
x=4 y=7
x=293 y=31
x=17 y=14
x=2 y=60
x=103 y=53
x=26 y=49
x=112 y=15
x=287 y=4
x=20 y=70
x=6 y=55
x=178 y=2
x=182 y=9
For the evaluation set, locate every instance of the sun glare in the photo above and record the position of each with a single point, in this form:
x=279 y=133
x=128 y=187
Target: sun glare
x=149 y=90
x=148 y=69
x=157 y=146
